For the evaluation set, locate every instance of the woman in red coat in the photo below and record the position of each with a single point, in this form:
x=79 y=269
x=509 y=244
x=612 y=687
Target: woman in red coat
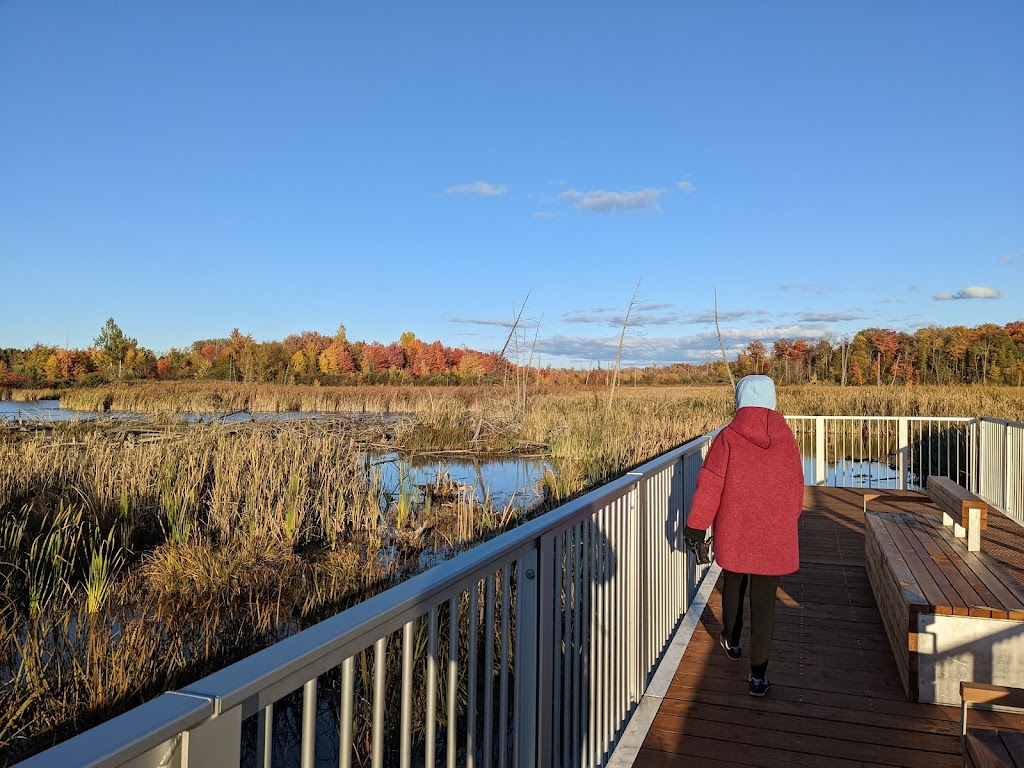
x=751 y=489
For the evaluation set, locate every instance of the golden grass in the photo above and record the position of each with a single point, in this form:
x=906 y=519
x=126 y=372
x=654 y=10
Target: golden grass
x=30 y=395
x=227 y=397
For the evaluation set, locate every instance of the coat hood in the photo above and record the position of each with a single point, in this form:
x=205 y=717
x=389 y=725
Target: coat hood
x=755 y=391
x=758 y=425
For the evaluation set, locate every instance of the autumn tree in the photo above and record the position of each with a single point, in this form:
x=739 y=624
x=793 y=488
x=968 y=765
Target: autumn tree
x=337 y=360
x=111 y=347
x=752 y=359
x=859 y=360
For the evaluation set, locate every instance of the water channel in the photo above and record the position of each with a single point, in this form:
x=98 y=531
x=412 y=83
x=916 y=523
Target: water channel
x=504 y=480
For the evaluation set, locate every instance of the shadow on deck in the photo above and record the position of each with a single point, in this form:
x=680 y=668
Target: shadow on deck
x=836 y=697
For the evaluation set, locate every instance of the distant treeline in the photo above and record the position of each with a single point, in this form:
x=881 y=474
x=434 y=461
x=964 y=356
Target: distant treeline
x=986 y=354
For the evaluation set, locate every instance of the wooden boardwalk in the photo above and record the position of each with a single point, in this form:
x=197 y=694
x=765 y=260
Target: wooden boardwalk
x=835 y=698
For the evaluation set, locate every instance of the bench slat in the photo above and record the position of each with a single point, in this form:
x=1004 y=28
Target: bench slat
x=897 y=563
x=988 y=606
x=1005 y=598
x=925 y=571
x=958 y=590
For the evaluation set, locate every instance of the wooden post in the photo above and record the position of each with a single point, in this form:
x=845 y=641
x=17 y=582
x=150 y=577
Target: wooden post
x=974 y=530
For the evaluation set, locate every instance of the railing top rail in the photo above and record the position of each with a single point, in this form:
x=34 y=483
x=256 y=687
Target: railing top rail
x=129 y=735
x=1004 y=422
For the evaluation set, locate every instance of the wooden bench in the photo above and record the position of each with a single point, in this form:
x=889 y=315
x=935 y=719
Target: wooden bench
x=961 y=509
x=986 y=747
x=950 y=614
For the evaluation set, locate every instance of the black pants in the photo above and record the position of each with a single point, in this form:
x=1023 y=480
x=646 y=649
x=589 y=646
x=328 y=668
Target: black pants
x=762 y=615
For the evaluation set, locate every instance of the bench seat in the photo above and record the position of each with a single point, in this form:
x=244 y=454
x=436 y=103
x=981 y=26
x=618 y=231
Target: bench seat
x=950 y=614
x=988 y=747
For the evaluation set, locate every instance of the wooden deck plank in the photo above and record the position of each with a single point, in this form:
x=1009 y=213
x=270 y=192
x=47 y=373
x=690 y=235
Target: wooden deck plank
x=836 y=697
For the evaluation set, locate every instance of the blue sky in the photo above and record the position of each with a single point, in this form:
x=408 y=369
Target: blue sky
x=190 y=167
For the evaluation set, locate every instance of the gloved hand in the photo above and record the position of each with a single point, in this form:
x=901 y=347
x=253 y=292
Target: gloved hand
x=696 y=543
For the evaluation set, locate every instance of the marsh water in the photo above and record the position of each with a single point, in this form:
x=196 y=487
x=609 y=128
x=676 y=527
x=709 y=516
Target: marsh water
x=500 y=480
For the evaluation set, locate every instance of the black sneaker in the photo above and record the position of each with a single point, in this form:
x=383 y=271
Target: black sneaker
x=758 y=686
x=734 y=651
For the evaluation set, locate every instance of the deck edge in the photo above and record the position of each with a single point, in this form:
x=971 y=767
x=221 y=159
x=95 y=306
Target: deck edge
x=640 y=723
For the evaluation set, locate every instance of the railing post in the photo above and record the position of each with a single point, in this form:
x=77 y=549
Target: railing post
x=902 y=450
x=217 y=742
x=1006 y=467
x=642 y=606
x=979 y=446
x=820 y=464
x=533 y=659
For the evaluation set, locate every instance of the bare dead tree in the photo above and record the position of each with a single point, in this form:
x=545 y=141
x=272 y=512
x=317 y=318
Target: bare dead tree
x=622 y=338
x=721 y=344
x=515 y=324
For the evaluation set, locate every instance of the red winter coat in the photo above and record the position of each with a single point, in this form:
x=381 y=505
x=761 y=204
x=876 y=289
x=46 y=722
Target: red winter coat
x=751 y=488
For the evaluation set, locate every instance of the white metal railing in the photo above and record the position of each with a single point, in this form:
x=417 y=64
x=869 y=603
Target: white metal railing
x=1000 y=479
x=985 y=455
x=886 y=452
x=533 y=648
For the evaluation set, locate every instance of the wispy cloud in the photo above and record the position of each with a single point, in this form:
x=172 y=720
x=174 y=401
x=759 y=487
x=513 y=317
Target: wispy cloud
x=600 y=201
x=545 y=215
x=686 y=186
x=806 y=288
x=970 y=292
x=708 y=316
x=478 y=188
x=616 y=320
x=1006 y=258
x=488 y=321
x=912 y=287
x=827 y=317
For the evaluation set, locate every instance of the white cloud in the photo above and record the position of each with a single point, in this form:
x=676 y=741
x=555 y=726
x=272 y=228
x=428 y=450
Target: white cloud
x=615 y=321
x=485 y=321
x=545 y=215
x=478 y=188
x=806 y=288
x=708 y=316
x=600 y=201
x=1006 y=258
x=827 y=317
x=970 y=292
x=685 y=186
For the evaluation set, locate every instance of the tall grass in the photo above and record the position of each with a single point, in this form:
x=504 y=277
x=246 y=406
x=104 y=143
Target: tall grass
x=134 y=558
x=30 y=395
x=227 y=397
